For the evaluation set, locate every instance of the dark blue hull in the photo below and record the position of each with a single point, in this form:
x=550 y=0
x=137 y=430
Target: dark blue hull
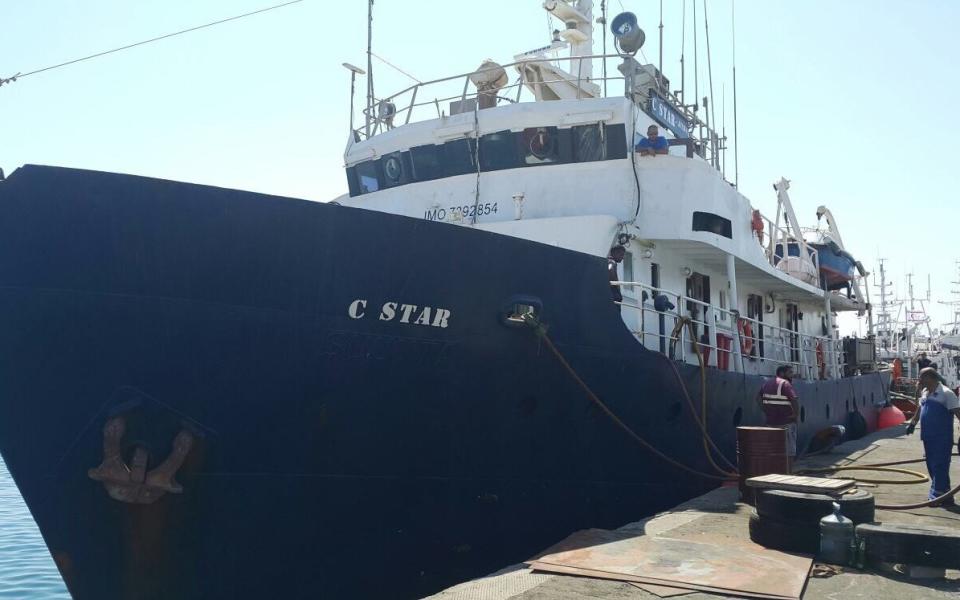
x=335 y=457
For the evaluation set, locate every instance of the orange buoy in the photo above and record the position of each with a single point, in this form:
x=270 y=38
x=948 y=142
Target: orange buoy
x=890 y=416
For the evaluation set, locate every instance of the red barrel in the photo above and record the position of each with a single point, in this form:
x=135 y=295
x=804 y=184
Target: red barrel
x=760 y=451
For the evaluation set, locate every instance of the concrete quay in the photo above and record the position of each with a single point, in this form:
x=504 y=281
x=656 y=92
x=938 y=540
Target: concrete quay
x=719 y=513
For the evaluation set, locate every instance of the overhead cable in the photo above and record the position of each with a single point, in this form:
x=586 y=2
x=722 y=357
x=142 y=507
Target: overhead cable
x=141 y=43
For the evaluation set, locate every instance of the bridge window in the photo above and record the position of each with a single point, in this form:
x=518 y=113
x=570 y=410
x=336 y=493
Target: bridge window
x=368 y=176
x=535 y=146
x=459 y=157
x=588 y=143
x=498 y=151
x=427 y=162
x=704 y=221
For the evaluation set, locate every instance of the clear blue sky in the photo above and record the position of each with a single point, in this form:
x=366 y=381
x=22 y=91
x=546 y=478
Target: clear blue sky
x=848 y=99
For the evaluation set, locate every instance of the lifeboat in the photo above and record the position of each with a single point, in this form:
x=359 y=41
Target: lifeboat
x=837 y=267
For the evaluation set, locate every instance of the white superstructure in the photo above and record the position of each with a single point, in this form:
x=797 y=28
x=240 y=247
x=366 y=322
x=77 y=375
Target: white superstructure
x=546 y=158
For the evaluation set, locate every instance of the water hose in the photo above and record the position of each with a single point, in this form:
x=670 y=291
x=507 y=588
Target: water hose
x=885 y=466
x=918 y=477
x=541 y=332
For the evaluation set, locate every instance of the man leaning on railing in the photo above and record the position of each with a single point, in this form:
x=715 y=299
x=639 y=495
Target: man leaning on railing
x=653 y=144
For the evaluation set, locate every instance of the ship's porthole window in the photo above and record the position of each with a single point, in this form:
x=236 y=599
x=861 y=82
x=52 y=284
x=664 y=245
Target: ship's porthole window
x=803 y=414
x=519 y=313
x=738 y=416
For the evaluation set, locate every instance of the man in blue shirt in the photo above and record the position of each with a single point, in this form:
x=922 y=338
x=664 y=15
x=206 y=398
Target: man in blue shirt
x=653 y=144
x=938 y=407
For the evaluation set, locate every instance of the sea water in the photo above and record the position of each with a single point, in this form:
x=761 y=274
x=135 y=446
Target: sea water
x=27 y=571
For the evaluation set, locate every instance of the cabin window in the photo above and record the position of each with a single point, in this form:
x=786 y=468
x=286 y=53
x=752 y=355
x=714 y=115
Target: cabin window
x=616 y=138
x=459 y=157
x=501 y=150
x=498 y=151
x=368 y=176
x=704 y=221
x=352 y=183
x=588 y=143
x=427 y=162
x=544 y=145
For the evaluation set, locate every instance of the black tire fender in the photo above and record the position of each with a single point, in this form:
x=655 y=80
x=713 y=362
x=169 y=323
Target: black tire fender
x=923 y=545
x=858 y=506
x=780 y=534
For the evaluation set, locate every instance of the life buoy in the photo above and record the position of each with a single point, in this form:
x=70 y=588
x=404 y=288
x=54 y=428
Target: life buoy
x=756 y=224
x=746 y=336
x=821 y=361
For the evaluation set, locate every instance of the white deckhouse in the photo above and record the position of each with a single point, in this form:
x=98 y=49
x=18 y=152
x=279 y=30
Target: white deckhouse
x=548 y=157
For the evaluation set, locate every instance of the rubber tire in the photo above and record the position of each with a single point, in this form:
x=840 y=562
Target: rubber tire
x=923 y=545
x=858 y=506
x=789 y=536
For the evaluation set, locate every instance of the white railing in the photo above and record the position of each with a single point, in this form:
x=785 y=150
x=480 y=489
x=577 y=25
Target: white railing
x=773 y=236
x=703 y=139
x=759 y=341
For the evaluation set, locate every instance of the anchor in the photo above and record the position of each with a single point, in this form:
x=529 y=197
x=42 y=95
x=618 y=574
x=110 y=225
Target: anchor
x=133 y=483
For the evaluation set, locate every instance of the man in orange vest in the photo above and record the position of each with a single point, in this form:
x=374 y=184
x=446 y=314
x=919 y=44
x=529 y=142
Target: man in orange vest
x=779 y=402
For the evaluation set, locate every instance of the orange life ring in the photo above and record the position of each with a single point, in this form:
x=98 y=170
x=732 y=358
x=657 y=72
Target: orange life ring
x=821 y=361
x=756 y=224
x=746 y=336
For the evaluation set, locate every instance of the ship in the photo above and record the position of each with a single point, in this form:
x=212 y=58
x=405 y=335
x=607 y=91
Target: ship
x=513 y=326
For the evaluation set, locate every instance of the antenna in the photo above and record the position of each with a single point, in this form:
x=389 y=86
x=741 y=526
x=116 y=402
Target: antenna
x=736 y=138
x=603 y=26
x=369 y=111
x=715 y=159
x=661 y=37
x=683 y=49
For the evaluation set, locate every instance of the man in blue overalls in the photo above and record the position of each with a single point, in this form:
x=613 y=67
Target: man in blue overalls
x=938 y=406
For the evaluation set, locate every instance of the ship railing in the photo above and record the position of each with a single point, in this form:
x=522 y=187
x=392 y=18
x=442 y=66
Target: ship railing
x=812 y=357
x=410 y=100
x=774 y=235
x=409 y=104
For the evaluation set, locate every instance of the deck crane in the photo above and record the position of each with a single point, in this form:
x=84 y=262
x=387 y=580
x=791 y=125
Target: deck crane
x=834 y=235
